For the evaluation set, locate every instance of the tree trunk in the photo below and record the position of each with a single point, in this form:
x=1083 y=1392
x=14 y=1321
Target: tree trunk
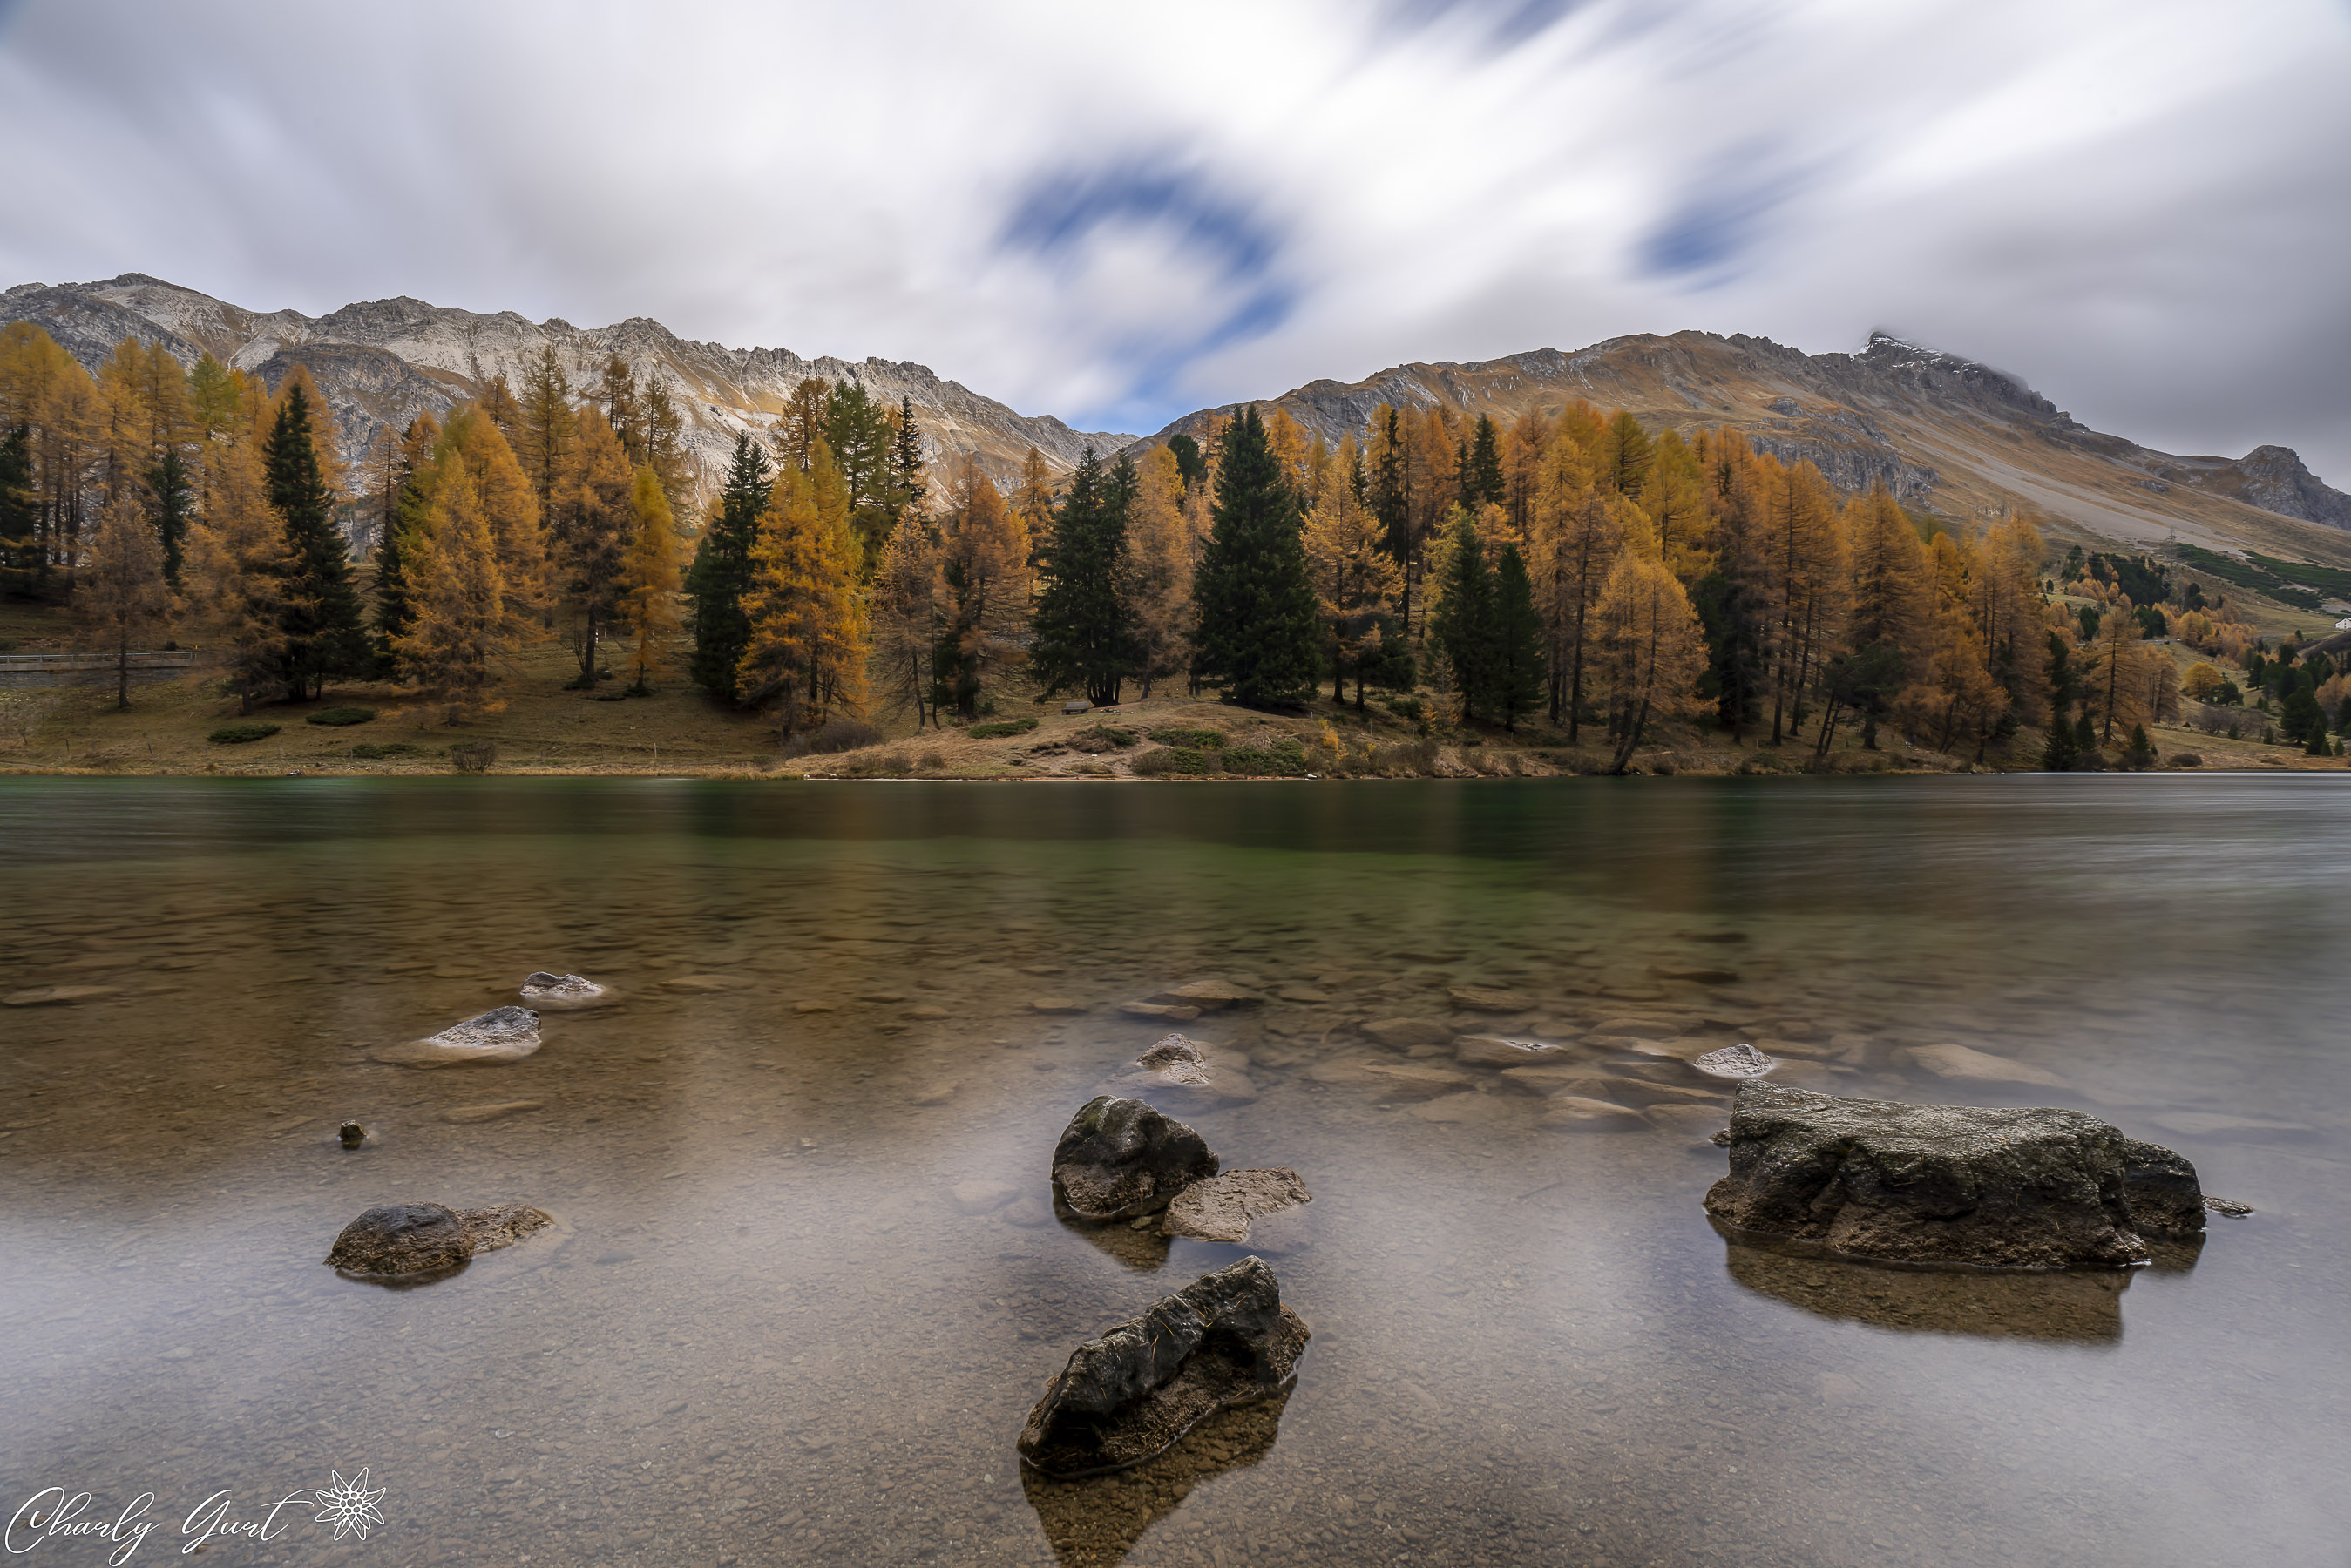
x=1633 y=725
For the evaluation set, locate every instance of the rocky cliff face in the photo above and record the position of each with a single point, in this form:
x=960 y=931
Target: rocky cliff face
x=1943 y=432
x=384 y=361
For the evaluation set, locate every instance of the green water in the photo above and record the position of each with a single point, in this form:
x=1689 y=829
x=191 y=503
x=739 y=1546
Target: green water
x=767 y=1329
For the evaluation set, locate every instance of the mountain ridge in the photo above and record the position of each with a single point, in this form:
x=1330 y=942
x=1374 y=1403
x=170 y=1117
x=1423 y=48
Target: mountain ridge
x=1944 y=433
x=381 y=362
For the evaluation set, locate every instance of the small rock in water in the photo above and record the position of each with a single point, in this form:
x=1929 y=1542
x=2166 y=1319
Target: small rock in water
x=1178 y=1059
x=1221 y=1208
x=1225 y=1339
x=1483 y=999
x=1402 y=1034
x=501 y=1034
x=350 y=1135
x=2227 y=1206
x=56 y=995
x=1209 y=995
x=394 y=1240
x=1947 y=1183
x=1056 y=1004
x=553 y=993
x=463 y=1116
x=1119 y=1158
x=1495 y=1051
x=1734 y=1062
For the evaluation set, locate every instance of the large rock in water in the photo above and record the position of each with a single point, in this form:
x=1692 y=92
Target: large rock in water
x=501 y=1034
x=393 y=1239
x=1118 y=1158
x=1222 y=1207
x=1947 y=1183
x=1223 y=1339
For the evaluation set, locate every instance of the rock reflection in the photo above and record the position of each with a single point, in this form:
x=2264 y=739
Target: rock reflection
x=2083 y=1308
x=1142 y=1251
x=1094 y=1522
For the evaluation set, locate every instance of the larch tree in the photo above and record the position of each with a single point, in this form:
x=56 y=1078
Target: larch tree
x=594 y=524
x=802 y=424
x=807 y=648
x=1084 y=638
x=1579 y=529
x=120 y=596
x=721 y=575
x=1800 y=555
x=410 y=479
x=239 y=565
x=1652 y=650
x=1256 y=627
x=324 y=634
x=1625 y=457
x=460 y=616
x=509 y=508
x=906 y=616
x=1032 y=501
x=983 y=590
x=649 y=578
x=1675 y=499
x=545 y=426
x=1158 y=584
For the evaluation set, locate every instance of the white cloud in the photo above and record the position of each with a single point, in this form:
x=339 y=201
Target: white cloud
x=2139 y=207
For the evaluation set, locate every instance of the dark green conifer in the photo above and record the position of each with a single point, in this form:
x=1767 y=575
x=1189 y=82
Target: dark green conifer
x=1520 y=676
x=1258 y=615
x=906 y=487
x=170 y=503
x=721 y=572
x=2139 y=755
x=321 y=618
x=1464 y=623
x=1482 y=475
x=20 y=515
x=2059 y=754
x=1084 y=632
x=2085 y=742
x=1189 y=464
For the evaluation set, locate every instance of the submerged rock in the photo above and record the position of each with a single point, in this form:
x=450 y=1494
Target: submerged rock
x=1208 y=995
x=394 y=1240
x=1955 y=1185
x=1497 y=1051
x=1225 y=1339
x=1963 y=1064
x=1119 y=1158
x=350 y=1135
x=501 y=1034
x=1222 y=1207
x=1180 y=1069
x=563 y=992
x=466 y=1116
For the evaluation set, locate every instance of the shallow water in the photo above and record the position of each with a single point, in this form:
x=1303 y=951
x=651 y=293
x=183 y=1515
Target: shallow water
x=766 y=1329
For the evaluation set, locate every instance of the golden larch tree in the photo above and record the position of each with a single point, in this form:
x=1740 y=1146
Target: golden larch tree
x=649 y=580
x=808 y=646
x=1355 y=579
x=1158 y=588
x=983 y=588
x=120 y=593
x=1652 y=649
x=458 y=595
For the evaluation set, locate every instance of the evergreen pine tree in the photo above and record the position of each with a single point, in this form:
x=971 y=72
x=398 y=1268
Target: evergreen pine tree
x=2318 y=744
x=322 y=607
x=1482 y=482
x=2059 y=754
x=1254 y=598
x=721 y=574
x=2085 y=742
x=395 y=612
x=1463 y=622
x=170 y=503
x=1084 y=636
x=20 y=510
x=2139 y=755
x=1520 y=678
x=1188 y=461
x=907 y=492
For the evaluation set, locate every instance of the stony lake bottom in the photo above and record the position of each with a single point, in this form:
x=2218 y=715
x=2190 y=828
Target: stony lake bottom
x=784 y=1317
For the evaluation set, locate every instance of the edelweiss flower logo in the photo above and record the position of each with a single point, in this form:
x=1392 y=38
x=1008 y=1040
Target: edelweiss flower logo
x=347 y=1505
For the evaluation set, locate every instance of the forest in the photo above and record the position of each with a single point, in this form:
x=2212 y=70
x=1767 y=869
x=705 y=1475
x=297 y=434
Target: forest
x=1575 y=576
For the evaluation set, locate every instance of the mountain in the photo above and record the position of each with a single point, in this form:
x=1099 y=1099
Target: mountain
x=1944 y=434
x=384 y=362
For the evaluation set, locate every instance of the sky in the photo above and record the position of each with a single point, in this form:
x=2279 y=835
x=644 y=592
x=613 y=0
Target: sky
x=1120 y=213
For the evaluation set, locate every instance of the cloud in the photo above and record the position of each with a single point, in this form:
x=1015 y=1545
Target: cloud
x=1119 y=214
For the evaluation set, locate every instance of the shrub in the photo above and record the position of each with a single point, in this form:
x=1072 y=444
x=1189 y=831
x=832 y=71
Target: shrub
x=883 y=765
x=2186 y=760
x=1285 y=761
x=1101 y=738
x=833 y=735
x=1193 y=739
x=341 y=716
x=238 y=734
x=1182 y=761
x=1002 y=728
x=931 y=762
x=1404 y=707
x=371 y=751
x=474 y=756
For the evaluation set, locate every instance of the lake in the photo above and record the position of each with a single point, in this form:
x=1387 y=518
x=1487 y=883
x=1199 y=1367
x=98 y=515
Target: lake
x=803 y=1285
